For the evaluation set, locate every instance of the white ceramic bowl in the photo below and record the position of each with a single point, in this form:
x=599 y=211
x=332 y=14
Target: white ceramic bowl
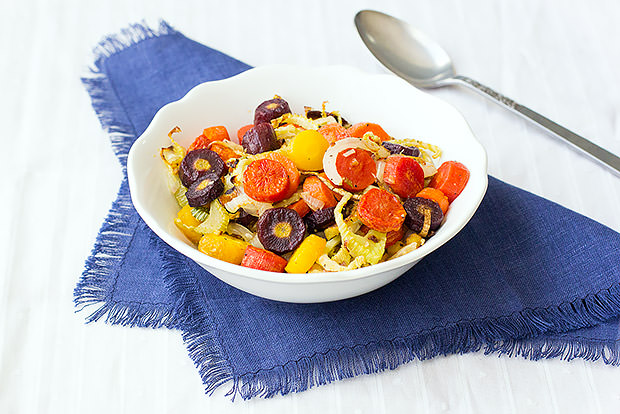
x=401 y=109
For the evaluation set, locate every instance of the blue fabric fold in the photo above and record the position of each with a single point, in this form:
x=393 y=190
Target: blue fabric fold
x=525 y=277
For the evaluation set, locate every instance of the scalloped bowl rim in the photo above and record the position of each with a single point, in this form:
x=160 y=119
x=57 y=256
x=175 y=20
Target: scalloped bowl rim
x=479 y=181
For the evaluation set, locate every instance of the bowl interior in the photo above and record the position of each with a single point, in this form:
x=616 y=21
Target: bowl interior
x=401 y=109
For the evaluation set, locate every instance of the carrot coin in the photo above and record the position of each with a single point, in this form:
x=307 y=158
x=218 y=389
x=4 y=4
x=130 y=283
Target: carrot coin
x=437 y=196
x=381 y=210
x=404 y=175
x=289 y=167
x=200 y=142
x=357 y=169
x=241 y=132
x=334 y=132
x=451 y=179
x=263 y=260
x=300 y=207
x=214 y=133
x=315 y=188
x=394 y=236
x=223 y=151
x=358 y=130
x=266 y=180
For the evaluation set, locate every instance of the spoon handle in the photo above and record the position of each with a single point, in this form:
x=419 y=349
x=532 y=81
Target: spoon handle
x=597 y=153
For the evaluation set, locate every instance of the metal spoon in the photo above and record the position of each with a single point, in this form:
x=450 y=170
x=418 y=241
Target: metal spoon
x=416 y=58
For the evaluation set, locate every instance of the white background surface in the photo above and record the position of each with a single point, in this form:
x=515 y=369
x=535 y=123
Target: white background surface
x=561 y=58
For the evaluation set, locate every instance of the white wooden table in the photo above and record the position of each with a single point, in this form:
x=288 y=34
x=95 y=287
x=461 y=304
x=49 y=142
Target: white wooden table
x=561 y=58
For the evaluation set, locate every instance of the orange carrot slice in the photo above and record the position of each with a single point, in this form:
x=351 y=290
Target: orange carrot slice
x=451 y=179
x=394 y=236
x=358 y=130
x=334 y=132
x=214 y=133
x=289 y=167
x=437 y=196
x=266 y=180
x=263 y=260
x=314 y=187
x=300 y=207
x=381 y=210
x=223 y=151
x=404 y=175
x=357 y=169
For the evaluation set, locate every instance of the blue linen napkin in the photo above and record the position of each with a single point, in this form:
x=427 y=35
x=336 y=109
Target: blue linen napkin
x=525 y=277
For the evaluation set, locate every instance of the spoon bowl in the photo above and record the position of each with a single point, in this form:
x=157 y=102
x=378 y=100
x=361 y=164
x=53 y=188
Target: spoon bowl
x=422 y=62
x=404 y=50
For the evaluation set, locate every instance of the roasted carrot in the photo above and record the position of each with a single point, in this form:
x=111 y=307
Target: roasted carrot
x=404 y=175
x=241 y=132
x=358 y=130
x=314 y=187
x=394 y=236
x=200 y=142
x=223 y=151
x=300 y=207
x=263 y=260
x=289 y=167
x=214 y=133
x=357 y=169
x=451 y=179
x=334 y=132
x=266 y=180
x=437 y=196
x=381 y=210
